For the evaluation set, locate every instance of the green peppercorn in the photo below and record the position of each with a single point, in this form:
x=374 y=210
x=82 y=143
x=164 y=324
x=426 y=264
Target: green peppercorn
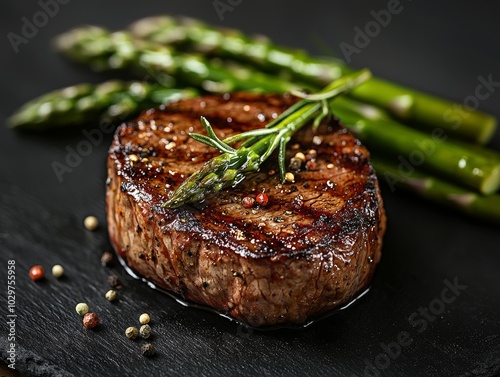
x=145 y=331
x=131 y=332
x=82 y=308
x=111 y=295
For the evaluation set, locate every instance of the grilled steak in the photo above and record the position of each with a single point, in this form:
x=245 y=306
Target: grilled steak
x=314 y=247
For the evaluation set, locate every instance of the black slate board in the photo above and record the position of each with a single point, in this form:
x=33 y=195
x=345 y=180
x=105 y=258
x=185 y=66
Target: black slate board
x=436 y=47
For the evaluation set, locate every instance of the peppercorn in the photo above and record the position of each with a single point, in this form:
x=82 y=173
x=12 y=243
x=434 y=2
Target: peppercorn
x=36 y=272
x=114 y=282
x=262 y=199
x=170 y=145
x=145 y=331
x=91 y=223
x=295 y=163
x=248 y=202
x=312 y=153
x=82 y=308
x=300 y=156
x=310 y=165
x=57 y=271
x=111 y=295
x=148 y=350
x=131 y=332
x=90 y=320
x=144 y=318
x=106 y=258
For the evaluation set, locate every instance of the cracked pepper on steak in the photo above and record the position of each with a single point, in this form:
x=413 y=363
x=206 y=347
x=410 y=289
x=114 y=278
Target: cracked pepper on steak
x=313 y=248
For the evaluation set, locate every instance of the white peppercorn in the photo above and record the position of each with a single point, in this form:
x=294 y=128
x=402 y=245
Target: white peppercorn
x=57 y=271
x=144 y=318
x=91 y=223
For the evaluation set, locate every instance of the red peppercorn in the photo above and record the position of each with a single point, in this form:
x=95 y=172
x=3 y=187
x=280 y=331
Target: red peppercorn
x=90 y=320
x=262 y=199
x=36 y=272
x=311 y=165
x=248 y=202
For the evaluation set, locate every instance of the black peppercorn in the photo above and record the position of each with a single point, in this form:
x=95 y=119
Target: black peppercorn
x=114 y=282
x=148 y=350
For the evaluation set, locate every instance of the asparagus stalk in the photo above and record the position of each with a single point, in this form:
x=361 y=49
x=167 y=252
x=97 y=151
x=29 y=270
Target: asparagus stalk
x=85 y=103
x=440 y=191
x=103 y=50
x=478 y=168
x=109 y=51
x=230 y=167
x=406 y=104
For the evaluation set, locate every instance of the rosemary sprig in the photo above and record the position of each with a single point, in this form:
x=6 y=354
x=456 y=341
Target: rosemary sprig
x=230 y=167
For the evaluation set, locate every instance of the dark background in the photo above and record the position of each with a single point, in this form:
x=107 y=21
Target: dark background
x=439 y=47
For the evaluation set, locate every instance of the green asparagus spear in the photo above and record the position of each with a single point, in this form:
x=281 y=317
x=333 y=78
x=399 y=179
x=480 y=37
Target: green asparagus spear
x=478 y=169
x=230 y=168
x=88 y=103
x=439 y=191
x=406 y=104
x=459 y=163
x=98 y=46
x=103 y=50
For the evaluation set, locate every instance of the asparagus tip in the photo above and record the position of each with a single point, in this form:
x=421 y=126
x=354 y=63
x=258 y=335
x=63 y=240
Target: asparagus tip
x=488 y=129
x=146 y=26
x=492 y=183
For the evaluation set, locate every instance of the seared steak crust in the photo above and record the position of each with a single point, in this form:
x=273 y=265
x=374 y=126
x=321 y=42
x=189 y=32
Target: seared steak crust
x=312 y=249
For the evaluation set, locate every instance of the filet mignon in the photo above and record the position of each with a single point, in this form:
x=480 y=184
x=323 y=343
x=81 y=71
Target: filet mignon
x=313 y=248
